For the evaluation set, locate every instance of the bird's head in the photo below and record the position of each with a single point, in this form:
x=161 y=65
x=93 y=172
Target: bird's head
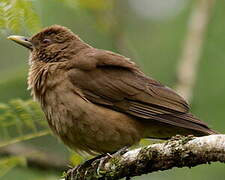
x=52 y=44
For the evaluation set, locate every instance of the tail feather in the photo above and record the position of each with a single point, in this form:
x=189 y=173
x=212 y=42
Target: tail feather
x=189 y=122
x=183 y=124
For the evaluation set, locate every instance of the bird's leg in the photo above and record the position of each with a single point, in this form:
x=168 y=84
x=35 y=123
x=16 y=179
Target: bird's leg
x=100 y=159
x=108 y=155
x=121 y=151
x=90 y=161
x=84 y=164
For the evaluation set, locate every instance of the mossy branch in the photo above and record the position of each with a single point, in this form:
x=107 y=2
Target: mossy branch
x=178 y=152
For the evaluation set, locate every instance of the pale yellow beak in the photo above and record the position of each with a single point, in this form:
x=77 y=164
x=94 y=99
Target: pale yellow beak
x=22 y=41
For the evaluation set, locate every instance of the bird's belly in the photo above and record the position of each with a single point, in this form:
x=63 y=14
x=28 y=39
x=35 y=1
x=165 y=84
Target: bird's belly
x=84 y=126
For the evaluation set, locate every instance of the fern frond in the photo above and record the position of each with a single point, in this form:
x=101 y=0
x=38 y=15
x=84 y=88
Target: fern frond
x=21 y=120
x=17 y=15
x=31 y=19
x=6 y=164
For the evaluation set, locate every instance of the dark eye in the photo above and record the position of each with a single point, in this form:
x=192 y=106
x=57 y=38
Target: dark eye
x=46 y=41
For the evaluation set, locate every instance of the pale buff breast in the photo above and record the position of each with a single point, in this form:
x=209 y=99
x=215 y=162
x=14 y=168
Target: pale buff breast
x=80 y=124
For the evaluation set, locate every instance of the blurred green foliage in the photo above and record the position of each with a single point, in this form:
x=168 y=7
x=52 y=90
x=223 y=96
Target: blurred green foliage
x=155 y=45
x=17 y=15
x=7 y=164
x=21 y=120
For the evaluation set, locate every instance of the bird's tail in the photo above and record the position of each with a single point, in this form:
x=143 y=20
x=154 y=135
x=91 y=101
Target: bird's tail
x=166 y=125
x=190 y=122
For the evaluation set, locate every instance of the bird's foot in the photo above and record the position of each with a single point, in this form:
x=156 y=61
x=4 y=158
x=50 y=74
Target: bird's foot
x=108 y=156
x=72 y=171
x=101 y=162
x=101 y=159
x=81 y=166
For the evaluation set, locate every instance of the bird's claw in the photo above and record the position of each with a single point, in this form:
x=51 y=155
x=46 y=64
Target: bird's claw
x=101 y=162
x=109 y=156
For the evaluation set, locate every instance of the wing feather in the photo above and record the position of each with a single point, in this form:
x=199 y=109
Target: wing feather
x=118 y=84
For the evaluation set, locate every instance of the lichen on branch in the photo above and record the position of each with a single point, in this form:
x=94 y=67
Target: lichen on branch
x=179 y=151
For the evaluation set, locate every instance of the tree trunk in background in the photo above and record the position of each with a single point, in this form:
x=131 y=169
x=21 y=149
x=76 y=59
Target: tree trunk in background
x=188 y=65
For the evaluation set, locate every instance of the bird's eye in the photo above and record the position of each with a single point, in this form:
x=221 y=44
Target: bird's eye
x=46 y=41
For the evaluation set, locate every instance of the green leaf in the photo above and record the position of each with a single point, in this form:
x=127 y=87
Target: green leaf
x=6 y=164
x=21 y=120
x=17 y=15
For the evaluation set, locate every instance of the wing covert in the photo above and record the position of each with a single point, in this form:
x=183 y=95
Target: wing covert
x=125 y=88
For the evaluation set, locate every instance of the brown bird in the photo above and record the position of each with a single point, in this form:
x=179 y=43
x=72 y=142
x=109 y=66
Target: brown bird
x=98 y=101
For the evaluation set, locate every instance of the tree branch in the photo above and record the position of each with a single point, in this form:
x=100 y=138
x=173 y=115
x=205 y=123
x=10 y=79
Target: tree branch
x=180 y=151
x=35 y=158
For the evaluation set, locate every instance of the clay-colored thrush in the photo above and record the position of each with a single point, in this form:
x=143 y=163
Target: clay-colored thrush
x=98 y=101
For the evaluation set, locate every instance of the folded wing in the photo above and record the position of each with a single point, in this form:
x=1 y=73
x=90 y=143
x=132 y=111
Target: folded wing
x=123 y=87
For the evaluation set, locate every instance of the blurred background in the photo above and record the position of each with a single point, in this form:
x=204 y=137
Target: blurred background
x=178 y=42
